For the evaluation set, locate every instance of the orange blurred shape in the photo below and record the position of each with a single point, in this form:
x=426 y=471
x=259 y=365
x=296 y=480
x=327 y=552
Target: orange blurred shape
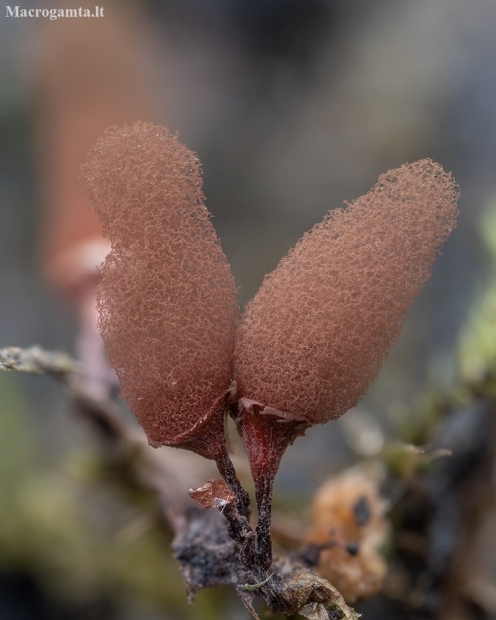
x=90 y=78
x=348 y=528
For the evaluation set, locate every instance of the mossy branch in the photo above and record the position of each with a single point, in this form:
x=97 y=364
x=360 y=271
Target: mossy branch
x=37 y=361
x=207 y=556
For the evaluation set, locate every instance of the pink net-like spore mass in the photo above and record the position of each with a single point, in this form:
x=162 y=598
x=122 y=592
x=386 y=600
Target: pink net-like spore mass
x=167 y=299
x=313 y=339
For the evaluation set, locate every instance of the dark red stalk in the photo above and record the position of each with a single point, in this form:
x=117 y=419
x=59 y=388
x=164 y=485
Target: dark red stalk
x=208 y=439
x=266 y=434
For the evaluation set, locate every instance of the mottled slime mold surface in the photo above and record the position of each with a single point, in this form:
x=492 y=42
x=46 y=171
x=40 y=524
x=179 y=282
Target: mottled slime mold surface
x=314 y=337
x=167 y=299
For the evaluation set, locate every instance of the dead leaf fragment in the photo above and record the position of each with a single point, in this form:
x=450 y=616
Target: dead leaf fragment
x=213 y=494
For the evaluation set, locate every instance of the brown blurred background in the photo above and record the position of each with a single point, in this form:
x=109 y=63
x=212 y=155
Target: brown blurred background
x=293 y=107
